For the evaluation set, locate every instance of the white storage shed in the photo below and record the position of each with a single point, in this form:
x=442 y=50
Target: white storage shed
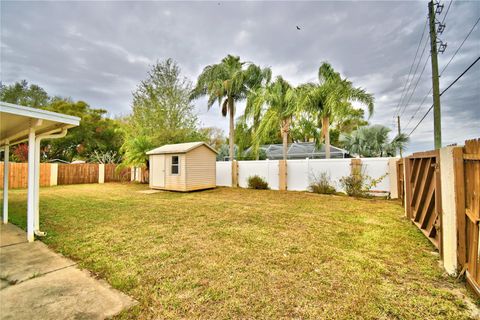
x=183 y=167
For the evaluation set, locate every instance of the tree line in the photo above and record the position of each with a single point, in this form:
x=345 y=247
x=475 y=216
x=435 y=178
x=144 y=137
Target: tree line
x=163 y=112
x=276 y=110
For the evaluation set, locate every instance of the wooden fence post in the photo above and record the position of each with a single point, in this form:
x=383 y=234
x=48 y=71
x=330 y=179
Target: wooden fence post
x=53 y=174
x=234 y=173
x=407 y=167
x=101 y=173
x=393 y=177
x=356 y=166
x=460 y=204
x=282 y=175
x=449 y=209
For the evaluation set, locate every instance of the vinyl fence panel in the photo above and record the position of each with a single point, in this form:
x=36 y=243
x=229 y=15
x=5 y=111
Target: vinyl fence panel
x=377 y=168
x=301 y=173
x=224 y=173
x=267 y=169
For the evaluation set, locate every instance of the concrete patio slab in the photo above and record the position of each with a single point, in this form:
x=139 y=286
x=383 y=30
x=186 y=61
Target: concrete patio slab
x=69 y=293
x=10 y=234
x=27 y=260
x=39 y=283
x=150 y=191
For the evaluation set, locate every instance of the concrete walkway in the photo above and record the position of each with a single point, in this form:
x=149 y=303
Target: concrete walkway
x=37 y=283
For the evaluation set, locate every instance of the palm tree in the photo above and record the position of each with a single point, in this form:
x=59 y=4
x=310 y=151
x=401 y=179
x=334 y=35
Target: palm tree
x=331 y=98
x=228 y=82
x=135 y=152
x=373 y=141
x=279 y=100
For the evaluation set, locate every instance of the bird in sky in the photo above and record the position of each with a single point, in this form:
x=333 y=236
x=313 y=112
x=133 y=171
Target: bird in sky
x=298 y=28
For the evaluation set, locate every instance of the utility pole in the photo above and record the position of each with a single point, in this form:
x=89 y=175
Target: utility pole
x=399 y=131
x=437 y=123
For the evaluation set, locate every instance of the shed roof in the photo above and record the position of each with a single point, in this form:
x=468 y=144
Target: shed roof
x=179 y=148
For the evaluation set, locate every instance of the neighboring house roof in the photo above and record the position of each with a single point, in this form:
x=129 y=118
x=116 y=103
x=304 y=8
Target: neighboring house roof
x=57 y=161
x=179 y=148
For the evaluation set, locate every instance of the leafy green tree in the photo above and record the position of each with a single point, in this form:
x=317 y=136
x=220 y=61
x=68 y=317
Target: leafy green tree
x=215 y=137
x=162 y=113
x=96 y=132
x=304 y=127
x=280 y=101
x=331 y=98
x=23 y=94
x=135 y=151
x=373 y=141
x=346 y=123
x=227 y=83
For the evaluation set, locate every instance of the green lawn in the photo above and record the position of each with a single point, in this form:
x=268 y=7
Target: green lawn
x=236 y=253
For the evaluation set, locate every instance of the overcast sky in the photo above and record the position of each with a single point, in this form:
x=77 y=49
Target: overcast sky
x=99 y=51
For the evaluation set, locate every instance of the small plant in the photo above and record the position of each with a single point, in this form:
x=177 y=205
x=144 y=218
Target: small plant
x=105 y=157
x=359 y=184
x=321 y=184
x=257 y=182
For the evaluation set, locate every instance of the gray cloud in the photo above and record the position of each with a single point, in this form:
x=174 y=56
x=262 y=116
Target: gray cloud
x=99 y=51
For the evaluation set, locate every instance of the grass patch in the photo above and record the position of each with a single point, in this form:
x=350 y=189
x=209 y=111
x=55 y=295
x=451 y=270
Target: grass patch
x=240 y=253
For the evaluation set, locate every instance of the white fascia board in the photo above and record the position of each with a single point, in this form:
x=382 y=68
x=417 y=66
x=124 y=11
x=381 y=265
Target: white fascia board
x=38 y=113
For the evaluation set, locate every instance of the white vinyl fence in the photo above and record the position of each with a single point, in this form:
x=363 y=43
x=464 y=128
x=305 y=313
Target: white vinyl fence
x=300 y=173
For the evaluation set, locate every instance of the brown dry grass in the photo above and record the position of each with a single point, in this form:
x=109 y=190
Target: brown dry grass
x=236 y=253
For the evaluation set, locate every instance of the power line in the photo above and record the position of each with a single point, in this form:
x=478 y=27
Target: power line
x=445 y=90
x=461 y=75
x=418 y=109
x=416 y=85
x=413 y=76
x=411 y=68
x=446 y=12
x=458 y=49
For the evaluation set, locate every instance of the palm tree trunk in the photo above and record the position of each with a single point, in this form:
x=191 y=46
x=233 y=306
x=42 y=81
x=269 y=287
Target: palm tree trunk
x=285 y=130
x=254 y=130
x=326 y=135
x=232 y=129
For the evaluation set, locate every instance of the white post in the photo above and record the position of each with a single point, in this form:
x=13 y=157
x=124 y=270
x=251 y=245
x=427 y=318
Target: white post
x=5 y=183
x=449 y=210
x=53 y=174
x=36 y=191
x=101 y=173
x=405 y=186
x=36 y=184
x=308 y=173
x=392 y=175
x=31 y=185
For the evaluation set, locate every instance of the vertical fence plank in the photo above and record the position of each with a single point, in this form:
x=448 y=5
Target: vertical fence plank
x=460 y=204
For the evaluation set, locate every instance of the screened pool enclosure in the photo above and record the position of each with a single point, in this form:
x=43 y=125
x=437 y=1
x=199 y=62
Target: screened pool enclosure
x=296 y=150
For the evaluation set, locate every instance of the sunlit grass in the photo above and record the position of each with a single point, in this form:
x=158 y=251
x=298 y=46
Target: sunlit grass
x=236 y=253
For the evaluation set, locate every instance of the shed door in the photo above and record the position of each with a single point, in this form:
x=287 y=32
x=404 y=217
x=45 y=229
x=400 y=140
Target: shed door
x=158 y=171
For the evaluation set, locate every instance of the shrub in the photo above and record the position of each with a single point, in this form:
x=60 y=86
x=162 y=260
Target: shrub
x=321 y=184
x=354 y=185
x=257 y=182
x=359 y=184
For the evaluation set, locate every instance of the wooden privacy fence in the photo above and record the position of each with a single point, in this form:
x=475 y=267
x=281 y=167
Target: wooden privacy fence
x=442 y=198
x=467 y=180
x=114 y=175
x=17 y=177
x=77 y=173
x=52 y=174
x=423 y=195
x=400 y=181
